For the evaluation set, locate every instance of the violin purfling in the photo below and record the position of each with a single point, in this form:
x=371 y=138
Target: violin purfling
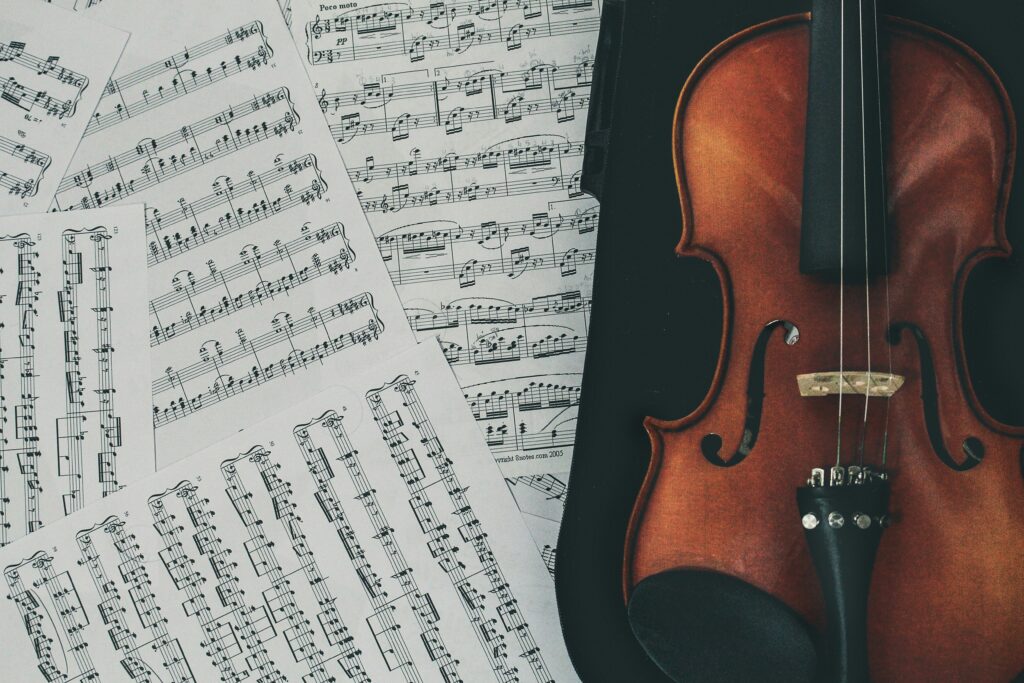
x=840 y=507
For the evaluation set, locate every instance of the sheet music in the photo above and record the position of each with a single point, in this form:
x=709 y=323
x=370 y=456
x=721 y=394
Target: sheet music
x=75 y=423
x=541 y=502
x=462 y=124
x=360 y=535
x=264 y=279
x=53 y=65
x=286 y=10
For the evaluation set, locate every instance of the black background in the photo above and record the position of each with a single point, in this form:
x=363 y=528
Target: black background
x=656 y=322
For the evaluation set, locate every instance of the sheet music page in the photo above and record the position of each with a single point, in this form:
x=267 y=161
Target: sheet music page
x=75 y=420
x=462 y=125
x=265 y=283
x=53 y=66
x=363 y=535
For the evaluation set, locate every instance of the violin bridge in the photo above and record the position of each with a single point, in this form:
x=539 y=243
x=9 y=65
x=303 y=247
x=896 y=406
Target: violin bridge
x=875 y=384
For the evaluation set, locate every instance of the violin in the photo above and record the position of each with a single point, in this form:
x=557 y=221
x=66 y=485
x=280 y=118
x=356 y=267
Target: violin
x=840 y=507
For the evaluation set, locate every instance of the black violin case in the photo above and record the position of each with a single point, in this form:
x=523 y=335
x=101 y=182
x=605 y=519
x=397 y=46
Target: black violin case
x=655 y=329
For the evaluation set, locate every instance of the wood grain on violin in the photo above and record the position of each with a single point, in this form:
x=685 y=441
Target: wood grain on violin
x=947 y=595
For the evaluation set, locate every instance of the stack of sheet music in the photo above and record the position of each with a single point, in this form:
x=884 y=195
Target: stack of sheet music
x=226 y=225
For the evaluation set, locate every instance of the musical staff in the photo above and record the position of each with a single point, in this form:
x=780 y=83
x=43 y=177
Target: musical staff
x=453 y=209
x=53 y=617
x=421 y=460
x=336 y=540
x=467 y=312
x=212 y=61
x=384 y=623
x=153 y=161
x=417 y=31
x=235 y=641
x=304 y=341
x=274 y=190
x=110 y=539
x=222 y=140
x=70 y=85
x=548 y=485
x=269 y=273
x=548 y=555
x=23 y=152
x=484 y=96
x=523 y=166
x=83 y=398
x=52 y=64
x=281 y=596
x=500 y=348
x=493 y=331
x=14 y=52
x=16 y=159
x=541 y=501
x=18 y=187
x=63 y=360
x=28 y=99
x=526 y=414
x=443 y=250
x=19 y=448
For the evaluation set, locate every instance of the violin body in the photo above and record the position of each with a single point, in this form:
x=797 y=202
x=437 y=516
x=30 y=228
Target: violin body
x=947 y=594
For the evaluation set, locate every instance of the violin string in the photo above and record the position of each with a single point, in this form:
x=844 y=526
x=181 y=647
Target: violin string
x=867 y=257
x=885 y=235
x=842 y=221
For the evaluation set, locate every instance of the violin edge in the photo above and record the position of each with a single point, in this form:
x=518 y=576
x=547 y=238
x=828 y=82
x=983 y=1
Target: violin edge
x=685 y=248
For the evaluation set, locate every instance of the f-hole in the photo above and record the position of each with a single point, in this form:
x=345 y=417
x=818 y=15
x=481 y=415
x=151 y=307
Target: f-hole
x=711 y=444
x=972 y=447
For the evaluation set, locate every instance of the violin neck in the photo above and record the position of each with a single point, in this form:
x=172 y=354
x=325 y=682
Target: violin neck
x=843 y=228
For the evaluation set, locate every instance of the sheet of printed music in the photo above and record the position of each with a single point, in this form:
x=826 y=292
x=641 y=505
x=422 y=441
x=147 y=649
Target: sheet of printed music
x=74 y=422
x=264 y=278
x=461 y=123
x=402 y=565
x=53 y=67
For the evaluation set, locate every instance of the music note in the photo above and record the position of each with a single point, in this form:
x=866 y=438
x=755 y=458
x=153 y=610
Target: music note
x=50 y=63
x=477 y=194
x=266 y=117
x=207 y=63
x=110 y=542
x=226 y=149
x=420 y=30
x=69 y=423
x=62 y=618
x=279 y=594
x=286 y=267
x=342 y=538
x=486 y=597
x=289 y=346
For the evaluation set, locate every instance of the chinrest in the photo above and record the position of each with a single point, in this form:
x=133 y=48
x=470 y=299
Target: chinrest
x=702 y=626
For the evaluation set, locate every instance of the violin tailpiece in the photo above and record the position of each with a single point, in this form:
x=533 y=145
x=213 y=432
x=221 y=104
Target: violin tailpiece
x=843 y=517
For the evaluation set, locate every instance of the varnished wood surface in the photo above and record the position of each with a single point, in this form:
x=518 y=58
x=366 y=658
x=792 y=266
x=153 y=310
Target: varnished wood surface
x=947 y=600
